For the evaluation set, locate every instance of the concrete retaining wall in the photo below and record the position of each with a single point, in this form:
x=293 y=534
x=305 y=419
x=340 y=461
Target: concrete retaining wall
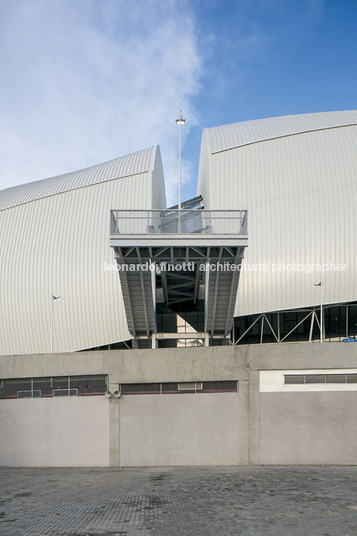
x=266 y=422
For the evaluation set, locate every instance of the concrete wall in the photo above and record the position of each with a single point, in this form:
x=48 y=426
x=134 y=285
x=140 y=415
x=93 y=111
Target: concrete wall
x=308 y=428
x=183 y=364
x=185 y=429
x=266 y=422
x=54 y=432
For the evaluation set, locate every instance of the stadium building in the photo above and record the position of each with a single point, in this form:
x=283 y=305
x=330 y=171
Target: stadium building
x=140 y=329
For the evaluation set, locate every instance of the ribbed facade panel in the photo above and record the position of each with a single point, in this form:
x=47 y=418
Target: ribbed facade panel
x=300 y=192
x=125 y=166
x=238 y=134
x=59 y=245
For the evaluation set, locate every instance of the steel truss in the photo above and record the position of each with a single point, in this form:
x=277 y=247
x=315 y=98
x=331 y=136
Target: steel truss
x=312 y=314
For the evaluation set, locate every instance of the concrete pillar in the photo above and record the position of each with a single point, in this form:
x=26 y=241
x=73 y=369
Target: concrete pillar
x=114 y=432
x=243 y=422
x=253 y=416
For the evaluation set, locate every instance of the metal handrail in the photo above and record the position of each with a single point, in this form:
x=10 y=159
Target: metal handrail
x=175 y=221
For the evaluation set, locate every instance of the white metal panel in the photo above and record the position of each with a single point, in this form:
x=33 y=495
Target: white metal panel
x=59 y=245
x=158 y=184
x=238 y=134
x=139 y=162
x=300 y=192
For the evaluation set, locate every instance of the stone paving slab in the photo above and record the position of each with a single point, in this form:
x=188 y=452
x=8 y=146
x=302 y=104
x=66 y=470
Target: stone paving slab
x=209 y=501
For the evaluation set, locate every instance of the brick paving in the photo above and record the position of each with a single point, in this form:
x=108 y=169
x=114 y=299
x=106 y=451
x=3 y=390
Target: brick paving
x=217 y=501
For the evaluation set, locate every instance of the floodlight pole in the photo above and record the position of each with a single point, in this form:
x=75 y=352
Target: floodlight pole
x=53 y=298
x=321 y=311
x=180 y=121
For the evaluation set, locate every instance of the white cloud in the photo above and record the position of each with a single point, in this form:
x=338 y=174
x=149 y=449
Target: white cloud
x=87 y=81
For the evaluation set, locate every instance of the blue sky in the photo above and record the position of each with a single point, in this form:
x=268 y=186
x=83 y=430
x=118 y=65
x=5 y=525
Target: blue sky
x=86 y=81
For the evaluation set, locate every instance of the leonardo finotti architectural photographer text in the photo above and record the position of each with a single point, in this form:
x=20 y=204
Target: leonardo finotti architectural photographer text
x=225 y=267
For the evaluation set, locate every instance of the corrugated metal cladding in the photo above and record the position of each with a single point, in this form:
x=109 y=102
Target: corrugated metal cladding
x=55 y=240
x=301 y=194
x=132 y=164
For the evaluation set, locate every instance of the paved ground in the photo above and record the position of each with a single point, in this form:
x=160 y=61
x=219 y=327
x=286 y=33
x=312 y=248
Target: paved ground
x=219 y=501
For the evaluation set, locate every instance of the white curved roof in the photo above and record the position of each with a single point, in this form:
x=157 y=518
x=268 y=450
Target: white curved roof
x=297 y=177
x=125 y=166
x=239 y=134
x=55 y=240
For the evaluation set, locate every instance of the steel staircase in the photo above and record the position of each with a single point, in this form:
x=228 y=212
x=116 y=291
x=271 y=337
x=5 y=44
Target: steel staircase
x=193 y=252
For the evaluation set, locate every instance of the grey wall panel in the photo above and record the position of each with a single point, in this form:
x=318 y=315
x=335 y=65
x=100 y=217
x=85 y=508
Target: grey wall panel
x=300 y=192
x=185 y=429
x=55 y=432
x=59 y=244
x=308 y=428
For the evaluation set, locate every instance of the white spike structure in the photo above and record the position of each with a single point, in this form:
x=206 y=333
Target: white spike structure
x=297 y=177
x=55 y=240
